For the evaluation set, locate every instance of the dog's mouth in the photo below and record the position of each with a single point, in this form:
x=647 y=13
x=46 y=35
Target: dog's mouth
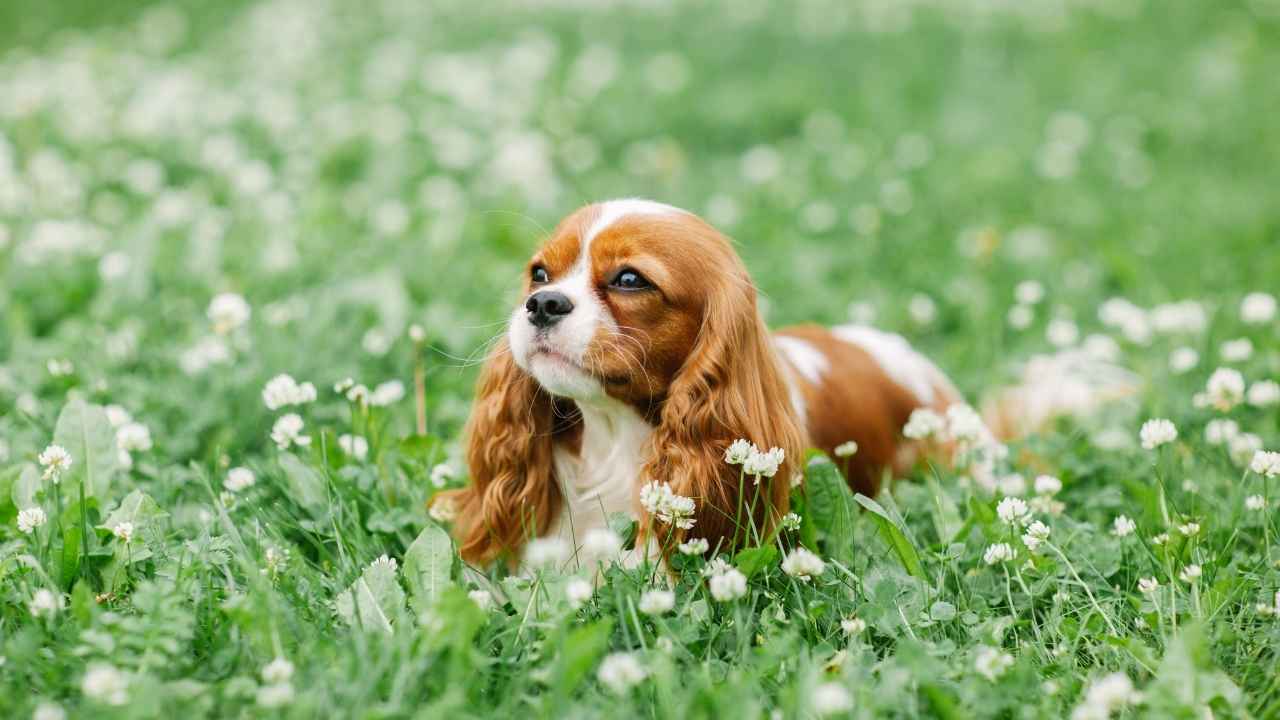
x=548 y=353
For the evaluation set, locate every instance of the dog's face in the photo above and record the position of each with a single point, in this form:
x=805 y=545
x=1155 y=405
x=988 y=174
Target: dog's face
x=614 y=301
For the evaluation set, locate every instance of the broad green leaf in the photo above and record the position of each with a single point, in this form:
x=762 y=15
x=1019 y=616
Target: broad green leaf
x=138 y=508
x=83 y=429
x=895 y=536
x=26 y=486
x=459 y=619
x=753 y=560
x=373 y=600
x=71 y=552
x=946 y=515
x=1188 y=679
x=428 y=564
x=580 y=650
x=830 y=505
x=306 y=485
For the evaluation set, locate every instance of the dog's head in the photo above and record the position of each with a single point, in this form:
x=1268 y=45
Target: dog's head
x=640 y=303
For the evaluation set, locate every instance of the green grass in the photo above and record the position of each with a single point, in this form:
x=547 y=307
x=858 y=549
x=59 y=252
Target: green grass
x=355 y=168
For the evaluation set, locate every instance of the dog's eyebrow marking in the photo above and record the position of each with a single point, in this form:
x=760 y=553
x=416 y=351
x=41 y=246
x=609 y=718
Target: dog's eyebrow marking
x=613 y=210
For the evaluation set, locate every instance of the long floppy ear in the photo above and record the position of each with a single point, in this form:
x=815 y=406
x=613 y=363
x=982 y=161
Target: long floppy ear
x=513 y=494
x=730 y=387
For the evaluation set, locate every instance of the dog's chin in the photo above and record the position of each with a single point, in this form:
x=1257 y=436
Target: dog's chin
x=562 y=377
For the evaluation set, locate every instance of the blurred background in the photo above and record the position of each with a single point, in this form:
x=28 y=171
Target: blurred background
x=352 y=168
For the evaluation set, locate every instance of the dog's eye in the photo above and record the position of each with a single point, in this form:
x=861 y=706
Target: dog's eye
x=539 y=275
x=630 y=280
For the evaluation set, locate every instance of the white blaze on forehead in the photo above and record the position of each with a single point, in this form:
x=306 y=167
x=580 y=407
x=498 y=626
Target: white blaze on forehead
x=899 y=360
x=611 y=211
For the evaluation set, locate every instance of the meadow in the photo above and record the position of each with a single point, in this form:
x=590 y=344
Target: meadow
x=252 y=253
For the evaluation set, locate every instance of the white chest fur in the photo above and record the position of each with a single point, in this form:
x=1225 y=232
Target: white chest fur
x=601 y=479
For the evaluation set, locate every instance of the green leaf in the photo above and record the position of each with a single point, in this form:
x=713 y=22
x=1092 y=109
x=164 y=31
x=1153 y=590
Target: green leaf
x=753 y=560
x=138 y=508
x=1188 y=680
x=70 y=564
x=580 y=650
x=374 y=600
x=83 y=429
x=895 y=536
x=831 y=507
x=942 y=611
x=306 y=486
x=428 y=564
x=26 y=486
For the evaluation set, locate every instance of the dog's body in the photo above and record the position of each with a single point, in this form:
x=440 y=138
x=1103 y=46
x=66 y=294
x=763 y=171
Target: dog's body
x=637 y=355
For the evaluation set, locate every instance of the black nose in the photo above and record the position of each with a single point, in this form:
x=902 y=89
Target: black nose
x=546 y=308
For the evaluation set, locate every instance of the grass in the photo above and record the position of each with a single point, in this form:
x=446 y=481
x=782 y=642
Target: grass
x=352 y=169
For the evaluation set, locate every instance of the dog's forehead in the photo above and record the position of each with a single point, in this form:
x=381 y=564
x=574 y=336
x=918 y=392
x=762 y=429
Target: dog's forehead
x=575 y=235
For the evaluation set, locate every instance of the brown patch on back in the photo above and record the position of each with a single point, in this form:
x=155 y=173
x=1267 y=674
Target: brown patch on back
x=856 y=400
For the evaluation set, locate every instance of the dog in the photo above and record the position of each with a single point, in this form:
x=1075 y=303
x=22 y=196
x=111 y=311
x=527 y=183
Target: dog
x=634 y=360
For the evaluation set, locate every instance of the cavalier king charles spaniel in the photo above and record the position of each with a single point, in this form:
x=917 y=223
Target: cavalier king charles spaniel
x=636 y=354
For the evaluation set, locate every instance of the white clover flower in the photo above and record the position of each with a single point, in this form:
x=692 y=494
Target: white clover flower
x=965 y=425
x=1148 y=585
x=997 y=553
x=1037 y=533
x=443 y=510
x=441 y=475
x=657 y=602
x=853 y=626
x=1224 y=389
x=1189 y=529
x=56 y=461
x=922 y=309
x=620 y=672
x=1258 y=308
x=274 y=559
x=923 y=424
x=696 y=546
x=1190 y=574
x=287 y=431
x=44 y=603
x=1013 y=511
x=117 y=415
x=30 y=519
x=791 y=522
x=1237 y=350
x=1123 y=526
x=417 y=334
x=105 y=684
x=1012 y=484
x=739 y=451
x=1028 y=292
x=1047 y=505
x=123 y=531
x=991 y=662
x=1243 y=448
x=764 y=464
x=227 y=312
x=802 y=564
x=49 y=711
x=830 y=698
x=283 y=391
x=1105 y=696
x=1157 y=432
x=482 y=598
x=601 y=543
x=1020 y=317
x=660 y=501
x=578 y=592
x=387 y=393
x=206 y=353
x=60 y=368
x=1255 y=503
x=277 y=671
x=728 y=585
x=1048 y=485
x=275 y=696
x=1220 y=431
x=1265 y=463
x=846 y=449
x=385 y=561
x=1264 y=394
x=1062 y=333
x=545 y=552
x=1160 y=539
x=1183 y=360
x=239 y=479
x=342 y=387
x=133 y=437
x=354 y=446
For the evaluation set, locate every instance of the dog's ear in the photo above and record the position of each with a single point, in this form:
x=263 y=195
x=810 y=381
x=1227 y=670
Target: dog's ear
x=513 y=493
x=730 y=387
